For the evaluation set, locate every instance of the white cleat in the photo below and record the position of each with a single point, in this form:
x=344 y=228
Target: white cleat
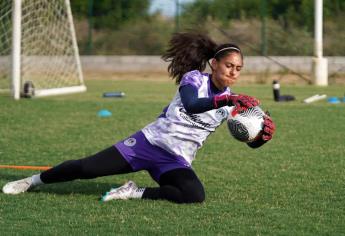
x=19 y=186
x=124 y=192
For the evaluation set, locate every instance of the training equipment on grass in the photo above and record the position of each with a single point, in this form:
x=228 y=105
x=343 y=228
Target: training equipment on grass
x=246 y=126
x=315 y=98
x=333 y=100
x=104 y=113
x=113 y=94
x=276 y=94
x=29 y=90
x=25 y=167
x=38 y=47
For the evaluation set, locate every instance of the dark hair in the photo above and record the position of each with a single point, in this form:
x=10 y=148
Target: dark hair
x=192 y=51
x=187 y=52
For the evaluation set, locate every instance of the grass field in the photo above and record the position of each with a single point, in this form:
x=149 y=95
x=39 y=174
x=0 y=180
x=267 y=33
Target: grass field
x=294 y=185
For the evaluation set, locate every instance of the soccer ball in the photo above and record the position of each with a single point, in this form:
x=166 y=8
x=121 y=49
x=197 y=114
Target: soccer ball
x=246 y=126
x=28 y=90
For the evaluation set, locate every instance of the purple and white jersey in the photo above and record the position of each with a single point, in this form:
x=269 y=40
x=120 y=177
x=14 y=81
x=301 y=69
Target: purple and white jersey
x=182 y=133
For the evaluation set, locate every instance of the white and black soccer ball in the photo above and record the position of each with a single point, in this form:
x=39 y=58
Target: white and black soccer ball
x=28 y=90
x=246 y=126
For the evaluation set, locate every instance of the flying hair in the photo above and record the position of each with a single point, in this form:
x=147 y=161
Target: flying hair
x=187 y=52
x=192 y=51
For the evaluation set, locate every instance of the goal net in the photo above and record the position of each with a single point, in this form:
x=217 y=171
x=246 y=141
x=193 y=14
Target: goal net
x=38 y=46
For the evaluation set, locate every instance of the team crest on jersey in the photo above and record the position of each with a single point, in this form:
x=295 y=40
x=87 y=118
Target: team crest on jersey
x=130 y=142
x=221 y=114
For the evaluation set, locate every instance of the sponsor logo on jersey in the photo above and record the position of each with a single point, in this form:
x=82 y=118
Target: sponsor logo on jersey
x=193 y=119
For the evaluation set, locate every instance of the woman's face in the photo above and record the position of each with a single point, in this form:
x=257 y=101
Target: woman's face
x=226 y=71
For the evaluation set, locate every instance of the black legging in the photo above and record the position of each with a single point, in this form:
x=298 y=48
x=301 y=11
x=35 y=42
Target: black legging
x=179 y=185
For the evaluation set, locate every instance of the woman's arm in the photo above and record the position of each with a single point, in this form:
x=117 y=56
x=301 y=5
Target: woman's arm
x=191 y=102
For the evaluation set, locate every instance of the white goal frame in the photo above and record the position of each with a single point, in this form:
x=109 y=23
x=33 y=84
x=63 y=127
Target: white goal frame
x=16 y=56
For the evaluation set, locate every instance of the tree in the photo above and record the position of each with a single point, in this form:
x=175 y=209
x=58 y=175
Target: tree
x=111 y=13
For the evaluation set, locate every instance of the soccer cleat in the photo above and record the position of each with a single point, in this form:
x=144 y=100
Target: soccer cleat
x=124 y=192
x=19 y=186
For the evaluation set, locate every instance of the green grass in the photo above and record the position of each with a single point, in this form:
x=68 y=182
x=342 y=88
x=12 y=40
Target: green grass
x=293 y=185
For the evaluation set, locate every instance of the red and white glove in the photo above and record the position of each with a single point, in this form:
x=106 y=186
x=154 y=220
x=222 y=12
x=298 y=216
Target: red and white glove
x=268 y=129
x=240 y=101
x=267 y=132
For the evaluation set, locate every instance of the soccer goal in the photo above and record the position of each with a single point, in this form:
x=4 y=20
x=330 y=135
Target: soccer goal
x=38 y=47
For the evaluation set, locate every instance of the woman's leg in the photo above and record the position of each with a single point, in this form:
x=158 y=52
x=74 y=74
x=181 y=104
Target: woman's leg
x=106 y=162
x=178 y=185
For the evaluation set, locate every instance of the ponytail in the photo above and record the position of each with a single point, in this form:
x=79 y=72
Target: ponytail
x=187 y=52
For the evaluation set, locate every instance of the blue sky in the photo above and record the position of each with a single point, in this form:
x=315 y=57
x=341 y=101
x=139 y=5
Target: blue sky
x=167 y=7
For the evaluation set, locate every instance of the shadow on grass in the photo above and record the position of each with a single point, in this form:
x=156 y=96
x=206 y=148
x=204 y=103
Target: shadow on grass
x=86 y=187
x=76 y=187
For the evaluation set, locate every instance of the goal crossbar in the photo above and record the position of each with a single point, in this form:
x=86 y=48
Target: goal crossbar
x=60 y=91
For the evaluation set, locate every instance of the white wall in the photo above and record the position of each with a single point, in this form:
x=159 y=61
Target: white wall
x=156 y=64
x=252 y=64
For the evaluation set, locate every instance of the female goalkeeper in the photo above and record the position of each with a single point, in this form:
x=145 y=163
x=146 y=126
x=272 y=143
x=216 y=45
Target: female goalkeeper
x=166 y=147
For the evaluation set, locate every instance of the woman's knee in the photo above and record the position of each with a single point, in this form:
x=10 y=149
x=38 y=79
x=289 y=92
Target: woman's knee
x=187 y=183
x=193 y=192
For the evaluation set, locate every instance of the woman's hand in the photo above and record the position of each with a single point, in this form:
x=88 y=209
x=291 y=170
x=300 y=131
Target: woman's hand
x=267 y=132
x=243 y=102
x=240 y=101
x=268 y=129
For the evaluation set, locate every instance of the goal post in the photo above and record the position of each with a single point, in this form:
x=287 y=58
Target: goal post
x=319 y=63
x=16 y=43
x=38 y=39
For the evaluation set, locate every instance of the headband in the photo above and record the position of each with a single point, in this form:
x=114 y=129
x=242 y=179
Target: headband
x=233 y=48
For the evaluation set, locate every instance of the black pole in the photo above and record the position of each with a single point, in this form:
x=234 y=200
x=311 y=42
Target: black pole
x=263 y=28
x=90 y=22
x=177 y=16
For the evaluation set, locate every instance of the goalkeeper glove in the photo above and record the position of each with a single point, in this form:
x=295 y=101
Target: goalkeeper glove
x=267 y=132
x=241 y=102
x=269 y=128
